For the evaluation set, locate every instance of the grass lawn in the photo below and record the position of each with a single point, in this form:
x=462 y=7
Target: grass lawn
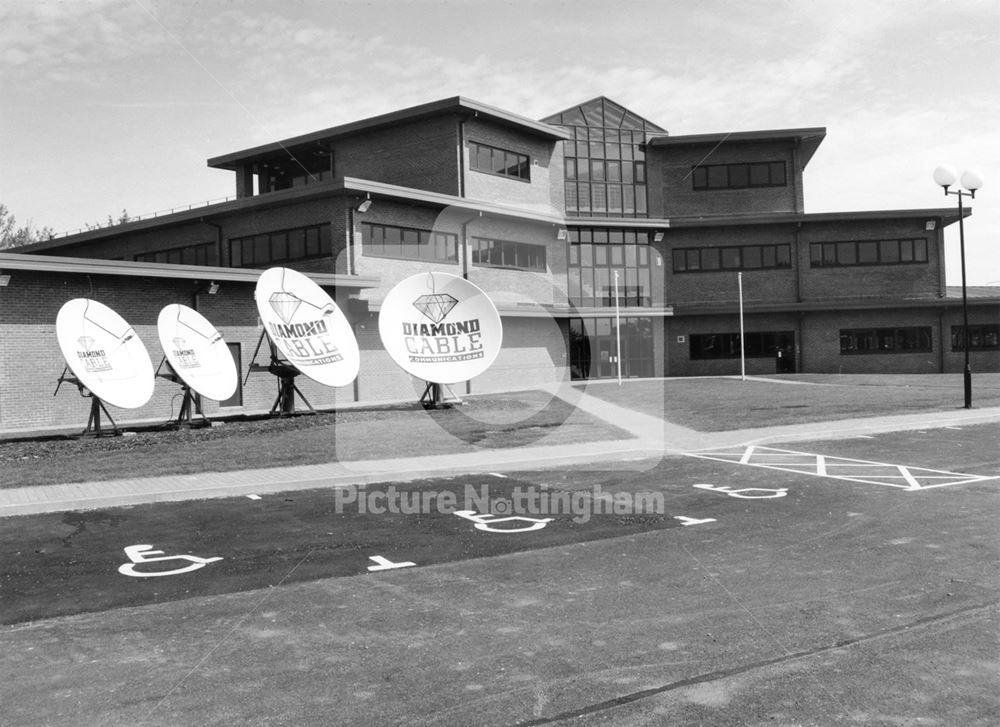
x=722 y=404
x=496 y=421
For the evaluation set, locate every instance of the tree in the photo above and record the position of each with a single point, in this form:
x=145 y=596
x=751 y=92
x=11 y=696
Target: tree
x=11 y=235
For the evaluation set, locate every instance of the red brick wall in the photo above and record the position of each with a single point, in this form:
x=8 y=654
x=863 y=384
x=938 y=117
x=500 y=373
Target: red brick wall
x=544 y=191
x=880 y=281
x=422 y=154
x=772 y=285
x=671 y=192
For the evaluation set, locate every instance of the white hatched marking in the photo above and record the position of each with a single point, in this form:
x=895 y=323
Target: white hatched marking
x=842 y=468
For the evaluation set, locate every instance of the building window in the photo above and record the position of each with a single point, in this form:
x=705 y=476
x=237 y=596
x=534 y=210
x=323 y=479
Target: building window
x=738 y=176
x=915 y=339
x=300 y=243
x=868 y=252
x=743 y=257
x=605 y=172
x=491 y=160
x=761 y=344
x=508 y=254
x=981 y=338
x=594 y=256
x=407 y=243
x=594 y=344
x=202 y=253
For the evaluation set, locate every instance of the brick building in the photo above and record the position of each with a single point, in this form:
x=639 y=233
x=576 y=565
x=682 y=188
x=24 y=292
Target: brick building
x=594 y=231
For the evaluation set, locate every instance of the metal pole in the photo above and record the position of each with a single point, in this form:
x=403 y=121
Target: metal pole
x=618 y=332
x=743 y=361
x=965 y=308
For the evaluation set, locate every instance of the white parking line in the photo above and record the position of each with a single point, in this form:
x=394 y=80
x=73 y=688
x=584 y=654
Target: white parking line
x=842 y=468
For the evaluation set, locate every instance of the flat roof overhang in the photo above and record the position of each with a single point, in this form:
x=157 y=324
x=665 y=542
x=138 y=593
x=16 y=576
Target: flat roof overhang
x=809 y=138
x=947 y=216
x=829 y=306
x=94 y=266
x=455 y=105
x=347 y=187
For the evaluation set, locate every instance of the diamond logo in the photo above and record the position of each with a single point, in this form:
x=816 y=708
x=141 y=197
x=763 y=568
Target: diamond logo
x=435 y=306
x=285 y=305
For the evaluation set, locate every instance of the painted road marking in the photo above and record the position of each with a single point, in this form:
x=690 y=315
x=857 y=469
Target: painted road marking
x=145 y=554
x=842 y=468
x=386 y=564
x=693 y=521
x=725 y=489
x=485 y=520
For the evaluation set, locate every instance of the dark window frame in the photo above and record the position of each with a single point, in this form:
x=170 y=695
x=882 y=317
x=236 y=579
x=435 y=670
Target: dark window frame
x=491 y=252
x=401 y=238
x=888 y=251
x=739 y=175
x=718 y=346
x=713 y=259
x=982 y=337
x=318 y=243
x=201 y=253
x=504 y=163
x=891 y=340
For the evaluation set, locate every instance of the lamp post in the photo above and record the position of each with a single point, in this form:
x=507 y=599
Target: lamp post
x=946 y=176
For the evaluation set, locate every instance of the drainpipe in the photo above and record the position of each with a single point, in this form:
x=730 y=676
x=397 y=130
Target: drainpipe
x=218 y=238
x=461 y=157
x=218 y=252
x=351 y=242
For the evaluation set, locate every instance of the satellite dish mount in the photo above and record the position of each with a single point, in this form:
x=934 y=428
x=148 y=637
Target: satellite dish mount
x=285 y=372
x=184 y=418
x=432 y=398
x=94 y=426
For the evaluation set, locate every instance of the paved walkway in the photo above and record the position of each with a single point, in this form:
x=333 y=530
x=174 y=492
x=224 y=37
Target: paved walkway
x=651 y=437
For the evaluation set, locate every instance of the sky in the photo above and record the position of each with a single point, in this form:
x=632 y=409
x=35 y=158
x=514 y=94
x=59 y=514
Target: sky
x=112 y=105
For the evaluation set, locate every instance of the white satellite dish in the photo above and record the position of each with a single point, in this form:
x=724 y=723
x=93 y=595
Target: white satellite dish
x=197 y=352
x=104 y=353
x=307 y=327
x=440 y=327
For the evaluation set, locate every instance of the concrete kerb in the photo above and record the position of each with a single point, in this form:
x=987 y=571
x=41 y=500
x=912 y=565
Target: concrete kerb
x=653 y=437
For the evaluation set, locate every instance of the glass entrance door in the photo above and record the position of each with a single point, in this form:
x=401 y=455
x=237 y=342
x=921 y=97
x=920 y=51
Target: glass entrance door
x=594 y=344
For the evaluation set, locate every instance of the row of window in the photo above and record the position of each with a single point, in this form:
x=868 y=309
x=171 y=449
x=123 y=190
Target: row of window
x=300 y=243
x=601 y=199
x=600 y=143
x=606 y=170
x=759 y=344
x=981 y=338
x=594 y=257
x=408 y=243
x=912 y=339
x=698 y=259
x=853 y=341
x=868 y=252
x=202 y=253
x=508 y=254
x=492 y=160
x=738 y=176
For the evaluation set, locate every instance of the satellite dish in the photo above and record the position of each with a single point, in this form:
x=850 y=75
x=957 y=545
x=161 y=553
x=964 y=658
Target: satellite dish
x=197 y=352
x=440 y=327
x=307 y=327
x=104 y=353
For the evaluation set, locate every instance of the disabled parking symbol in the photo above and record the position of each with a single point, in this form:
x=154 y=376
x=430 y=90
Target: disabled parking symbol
x=139 y=554
x=744 y=493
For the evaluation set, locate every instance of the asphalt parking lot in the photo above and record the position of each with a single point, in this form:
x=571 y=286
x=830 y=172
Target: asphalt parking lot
x=810 y=583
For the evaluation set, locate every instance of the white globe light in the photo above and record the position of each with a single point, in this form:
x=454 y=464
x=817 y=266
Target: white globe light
x=945 y=175
x=972 y=179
